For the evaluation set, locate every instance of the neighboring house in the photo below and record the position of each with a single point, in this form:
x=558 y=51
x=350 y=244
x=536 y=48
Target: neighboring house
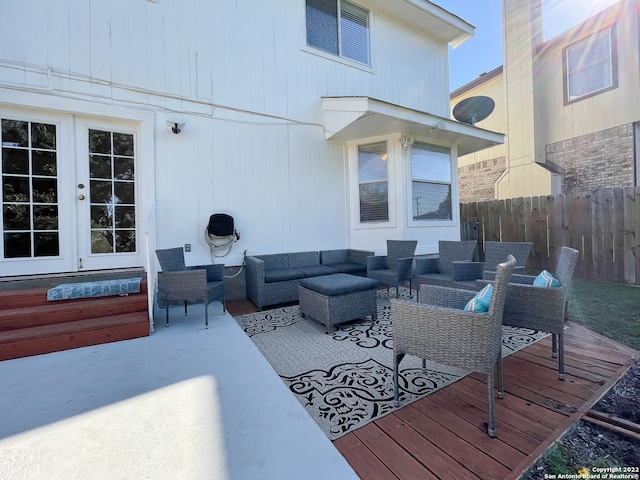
x=570 y=107
x=316 y=124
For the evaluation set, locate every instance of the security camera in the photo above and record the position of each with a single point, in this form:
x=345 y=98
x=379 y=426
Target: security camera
x=175 y=126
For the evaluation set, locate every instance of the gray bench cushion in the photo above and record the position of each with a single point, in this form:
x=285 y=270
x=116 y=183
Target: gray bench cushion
x=338 y=284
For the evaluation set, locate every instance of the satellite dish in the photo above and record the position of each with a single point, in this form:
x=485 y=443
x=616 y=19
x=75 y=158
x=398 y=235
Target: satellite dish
x=473 y=109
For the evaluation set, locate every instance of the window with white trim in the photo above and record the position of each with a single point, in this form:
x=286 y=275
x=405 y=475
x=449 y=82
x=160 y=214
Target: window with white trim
x=430 y=182
x=373 y=184
x=590 y=66
x=338 y=27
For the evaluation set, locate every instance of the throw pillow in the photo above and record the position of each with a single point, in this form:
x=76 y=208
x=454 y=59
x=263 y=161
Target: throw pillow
x=545 y=279
x=480 y=303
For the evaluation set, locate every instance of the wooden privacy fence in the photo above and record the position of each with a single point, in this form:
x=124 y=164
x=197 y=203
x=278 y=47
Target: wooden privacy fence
x=604 y=225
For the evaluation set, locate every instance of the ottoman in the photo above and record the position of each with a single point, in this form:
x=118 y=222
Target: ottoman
x=337 y=298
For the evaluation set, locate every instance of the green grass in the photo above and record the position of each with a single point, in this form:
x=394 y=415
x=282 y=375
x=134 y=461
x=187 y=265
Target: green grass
x=610 y=309
x=556 y=462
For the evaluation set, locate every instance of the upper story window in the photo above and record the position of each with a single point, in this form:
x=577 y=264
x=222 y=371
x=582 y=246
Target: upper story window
x=430 y=182
x=373 y=184
x=590 y=66
x=338 y=27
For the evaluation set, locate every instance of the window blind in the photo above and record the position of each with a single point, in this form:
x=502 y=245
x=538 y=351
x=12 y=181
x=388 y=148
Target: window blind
x=589 y=66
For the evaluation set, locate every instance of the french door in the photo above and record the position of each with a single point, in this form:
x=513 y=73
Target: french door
x=69 y=194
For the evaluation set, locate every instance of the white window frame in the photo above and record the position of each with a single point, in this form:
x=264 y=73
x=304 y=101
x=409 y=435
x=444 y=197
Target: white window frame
x=453 y=185
x=354 y=183
x=339 y=55
x=576 y=70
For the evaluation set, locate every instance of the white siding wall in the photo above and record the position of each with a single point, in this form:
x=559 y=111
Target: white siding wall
x=238 y=74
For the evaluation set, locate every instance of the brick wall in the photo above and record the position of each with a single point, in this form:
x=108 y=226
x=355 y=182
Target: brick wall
x=602 y=159
x=477 y=180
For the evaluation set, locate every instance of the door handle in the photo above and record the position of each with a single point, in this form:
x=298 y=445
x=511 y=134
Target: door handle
x=81 y=197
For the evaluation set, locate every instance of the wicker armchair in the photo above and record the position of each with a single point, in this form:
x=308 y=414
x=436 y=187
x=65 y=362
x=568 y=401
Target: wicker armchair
x=466 y=273
x=541 y=308
x=439 y=271
x=396 y=266
x=179 y=284
x=438 y=329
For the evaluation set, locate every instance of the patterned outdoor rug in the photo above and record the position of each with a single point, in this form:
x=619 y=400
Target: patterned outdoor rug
x=345 y=378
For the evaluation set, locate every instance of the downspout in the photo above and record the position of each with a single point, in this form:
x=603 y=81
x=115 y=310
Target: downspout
x=150 y=264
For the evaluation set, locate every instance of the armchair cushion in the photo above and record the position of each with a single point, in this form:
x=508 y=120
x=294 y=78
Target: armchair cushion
x=481 y=301
x=545 y=279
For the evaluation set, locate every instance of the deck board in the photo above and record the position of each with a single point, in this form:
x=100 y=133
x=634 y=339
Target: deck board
x=442 y=435
x=537 y=408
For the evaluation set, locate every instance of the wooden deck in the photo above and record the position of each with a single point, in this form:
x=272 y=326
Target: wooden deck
x=31 y=325
x=442 y=436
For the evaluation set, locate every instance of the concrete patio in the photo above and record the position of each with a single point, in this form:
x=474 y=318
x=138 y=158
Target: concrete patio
x=184 y=403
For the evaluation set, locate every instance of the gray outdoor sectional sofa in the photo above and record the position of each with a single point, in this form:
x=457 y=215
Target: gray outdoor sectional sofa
x=274 y=278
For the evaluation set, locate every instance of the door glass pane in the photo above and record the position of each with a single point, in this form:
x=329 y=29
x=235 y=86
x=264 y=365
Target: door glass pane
x=99 y=142
x=112 y=192
x=15 y=161
x=125 y=217
x=124 y=192
x=44 y=163
x=125 y=241
x=15 y=133
x=17 y=245
x=16 y=217
x=29 y=189
x=99 y=166
x=123 y=168
x=47 y=244
x=123 y=144
x=101 y=241
x=43 y=136
x=45 y=190
x=15 y=189
x=100 y=217
x=101 y=192
x=45 y=217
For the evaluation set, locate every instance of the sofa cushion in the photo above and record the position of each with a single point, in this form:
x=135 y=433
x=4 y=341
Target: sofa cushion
x=317 y=270
x=282 y=275
x=303 y=259
x=328 y=257
x=338 y=284
x=349 y=267
x=275 y=261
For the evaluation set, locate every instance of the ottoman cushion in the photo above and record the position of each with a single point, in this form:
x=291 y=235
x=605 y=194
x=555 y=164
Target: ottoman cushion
x=339 y=284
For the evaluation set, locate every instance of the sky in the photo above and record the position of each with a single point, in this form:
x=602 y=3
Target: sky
x=483 y=52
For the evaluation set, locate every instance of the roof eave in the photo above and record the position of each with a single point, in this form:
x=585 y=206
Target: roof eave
x=351 y=118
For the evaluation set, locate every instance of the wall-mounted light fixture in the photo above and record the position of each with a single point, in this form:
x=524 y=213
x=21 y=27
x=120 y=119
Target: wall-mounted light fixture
x=406 y=142
x=439 y=125
x=176 y=127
